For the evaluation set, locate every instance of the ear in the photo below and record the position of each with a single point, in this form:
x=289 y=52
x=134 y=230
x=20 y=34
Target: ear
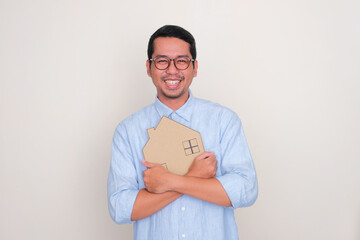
x=148 y=68
x=195 y=68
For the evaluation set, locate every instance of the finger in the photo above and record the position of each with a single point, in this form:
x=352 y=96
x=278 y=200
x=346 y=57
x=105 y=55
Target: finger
x=213 y=159
x=148 y=164
x=205 y=155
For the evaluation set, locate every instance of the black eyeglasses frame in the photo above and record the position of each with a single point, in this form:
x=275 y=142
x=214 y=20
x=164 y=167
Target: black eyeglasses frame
x=169 y=61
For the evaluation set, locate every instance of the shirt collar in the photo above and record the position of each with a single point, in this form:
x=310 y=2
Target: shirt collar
x=184 y=111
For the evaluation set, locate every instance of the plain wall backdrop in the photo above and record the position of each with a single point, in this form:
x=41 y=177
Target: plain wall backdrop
x=70 y=71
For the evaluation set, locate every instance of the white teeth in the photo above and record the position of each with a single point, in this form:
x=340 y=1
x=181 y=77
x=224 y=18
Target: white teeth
x=172 y=82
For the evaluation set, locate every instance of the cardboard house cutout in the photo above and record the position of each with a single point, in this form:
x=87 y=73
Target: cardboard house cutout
x=173 y=145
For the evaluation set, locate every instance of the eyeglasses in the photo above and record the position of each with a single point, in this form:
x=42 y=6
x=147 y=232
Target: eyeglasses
x=163 y=62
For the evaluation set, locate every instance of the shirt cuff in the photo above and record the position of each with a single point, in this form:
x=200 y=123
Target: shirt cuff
x=232 y=185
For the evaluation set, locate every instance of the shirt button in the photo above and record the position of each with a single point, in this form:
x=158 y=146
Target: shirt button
x=183 y=236
x=183 y=209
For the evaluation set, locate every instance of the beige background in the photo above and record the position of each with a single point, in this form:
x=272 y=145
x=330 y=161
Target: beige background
x=71 y=70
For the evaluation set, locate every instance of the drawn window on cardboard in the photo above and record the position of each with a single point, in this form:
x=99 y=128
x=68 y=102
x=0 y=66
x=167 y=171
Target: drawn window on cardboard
x=164 y=165
x=191 y=146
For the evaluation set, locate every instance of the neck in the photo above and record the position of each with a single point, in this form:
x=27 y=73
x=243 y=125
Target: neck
x=174 y=103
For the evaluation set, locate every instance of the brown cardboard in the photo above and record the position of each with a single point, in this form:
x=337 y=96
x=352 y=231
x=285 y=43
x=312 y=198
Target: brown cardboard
x=173 y=145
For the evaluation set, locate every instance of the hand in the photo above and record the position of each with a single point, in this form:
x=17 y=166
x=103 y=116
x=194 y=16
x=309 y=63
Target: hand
x=156 y=177
x=204 y=166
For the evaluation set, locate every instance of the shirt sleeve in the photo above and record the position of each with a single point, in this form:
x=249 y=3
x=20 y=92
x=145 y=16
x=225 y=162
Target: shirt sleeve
x=238 y=172
x=123 y=187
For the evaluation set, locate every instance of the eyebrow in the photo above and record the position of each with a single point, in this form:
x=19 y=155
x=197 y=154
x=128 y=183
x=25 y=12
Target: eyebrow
x=175 y=57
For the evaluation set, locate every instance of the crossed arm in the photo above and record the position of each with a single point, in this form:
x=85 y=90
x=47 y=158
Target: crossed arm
x=163 y=187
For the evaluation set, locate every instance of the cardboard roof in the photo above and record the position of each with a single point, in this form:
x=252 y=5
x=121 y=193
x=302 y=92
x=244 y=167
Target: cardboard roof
x=173 y=145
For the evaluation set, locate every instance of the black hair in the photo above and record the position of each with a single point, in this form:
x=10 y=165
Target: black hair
x=172 y=31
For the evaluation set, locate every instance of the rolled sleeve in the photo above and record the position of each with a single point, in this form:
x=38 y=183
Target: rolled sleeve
x=123 y=187
x=238 y=172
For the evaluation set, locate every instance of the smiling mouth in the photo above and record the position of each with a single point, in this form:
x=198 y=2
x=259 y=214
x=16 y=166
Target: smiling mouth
x=172 y=82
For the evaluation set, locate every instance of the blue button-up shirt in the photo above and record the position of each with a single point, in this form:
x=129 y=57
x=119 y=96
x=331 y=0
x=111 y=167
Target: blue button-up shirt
x=187 y=217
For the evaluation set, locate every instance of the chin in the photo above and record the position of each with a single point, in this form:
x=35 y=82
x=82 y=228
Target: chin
x=173 y=95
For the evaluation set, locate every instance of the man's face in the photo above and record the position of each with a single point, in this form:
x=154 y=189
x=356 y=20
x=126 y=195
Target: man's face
x=171 y=83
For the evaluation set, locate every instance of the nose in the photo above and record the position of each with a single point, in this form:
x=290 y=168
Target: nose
x=172 y=69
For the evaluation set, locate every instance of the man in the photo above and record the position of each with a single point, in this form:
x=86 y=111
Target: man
x=200 y=204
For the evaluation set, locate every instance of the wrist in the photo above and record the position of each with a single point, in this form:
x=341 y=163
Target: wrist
x=174 y=182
